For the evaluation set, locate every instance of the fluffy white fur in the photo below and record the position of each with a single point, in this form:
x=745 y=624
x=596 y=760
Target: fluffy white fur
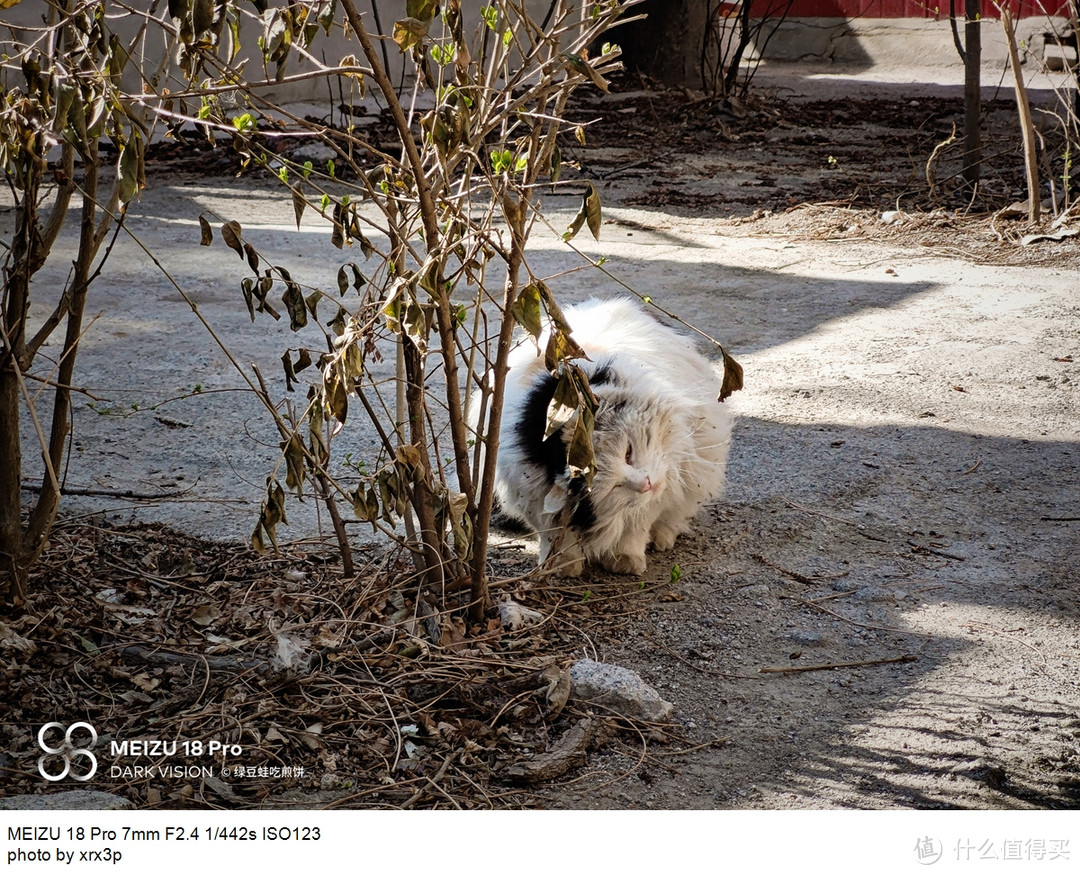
x=661 y=441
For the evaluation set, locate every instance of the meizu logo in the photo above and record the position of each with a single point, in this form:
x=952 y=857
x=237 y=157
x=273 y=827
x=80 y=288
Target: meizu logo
x=68 y=751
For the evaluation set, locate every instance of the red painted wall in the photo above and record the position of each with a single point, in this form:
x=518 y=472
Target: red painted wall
x=909 y=8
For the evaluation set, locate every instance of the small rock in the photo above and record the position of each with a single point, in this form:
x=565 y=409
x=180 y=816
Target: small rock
x=807 y=637
x=314 y=152
x=70 y=800
x=619 y=689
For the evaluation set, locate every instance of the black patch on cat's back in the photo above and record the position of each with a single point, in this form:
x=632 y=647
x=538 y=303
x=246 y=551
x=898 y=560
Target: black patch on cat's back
x=603 y=373
x=549 y=454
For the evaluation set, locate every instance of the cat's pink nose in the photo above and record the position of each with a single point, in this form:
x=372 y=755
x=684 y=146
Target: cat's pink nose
x=647 y=485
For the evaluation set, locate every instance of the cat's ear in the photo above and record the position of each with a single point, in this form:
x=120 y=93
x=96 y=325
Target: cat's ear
x=555 y=500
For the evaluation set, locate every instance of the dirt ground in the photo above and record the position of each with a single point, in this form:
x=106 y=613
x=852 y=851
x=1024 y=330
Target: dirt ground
x=884 y=609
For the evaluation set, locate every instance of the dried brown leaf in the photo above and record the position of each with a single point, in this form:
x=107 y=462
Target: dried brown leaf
x=563 y=405
x=204 y=615
x=252 y=257
x=733 y=377
x=293 y=299
x=408 y=32
x=590 y=212
x=231 y=233
x=299 y=203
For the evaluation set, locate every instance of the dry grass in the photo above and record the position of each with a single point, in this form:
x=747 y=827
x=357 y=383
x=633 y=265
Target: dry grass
x=368 y=692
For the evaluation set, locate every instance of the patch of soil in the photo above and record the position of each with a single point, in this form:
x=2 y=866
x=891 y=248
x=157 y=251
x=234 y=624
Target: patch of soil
x=757 y=166
x=863 y=153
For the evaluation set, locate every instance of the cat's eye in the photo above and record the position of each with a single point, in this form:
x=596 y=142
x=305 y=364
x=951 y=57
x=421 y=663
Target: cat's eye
x=629 y=454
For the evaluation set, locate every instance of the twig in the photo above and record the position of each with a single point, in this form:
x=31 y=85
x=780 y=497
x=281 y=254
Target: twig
x=434 y=782
x=1027 y=128
x=918 y=548
x=81 y=390
x=932 y=161
x=114 y=493
x=734 y=542
x=830 y=597
x=892 y=630
x=155 y=656
x=828 y=666
x=322 y=482
x=794 y=575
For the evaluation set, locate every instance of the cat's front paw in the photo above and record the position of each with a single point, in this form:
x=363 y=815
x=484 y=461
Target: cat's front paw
x=565 y=566
x=663 y=537
x=625 y=564
x=568 y=562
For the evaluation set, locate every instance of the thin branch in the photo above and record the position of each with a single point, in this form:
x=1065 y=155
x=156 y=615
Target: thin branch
x=831 y=666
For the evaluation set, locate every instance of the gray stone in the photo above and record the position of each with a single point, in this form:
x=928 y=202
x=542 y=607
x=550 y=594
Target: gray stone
x=1057 y=57
x=808 y=637
x=618 y=689
x=314 y=152
x=70 y=800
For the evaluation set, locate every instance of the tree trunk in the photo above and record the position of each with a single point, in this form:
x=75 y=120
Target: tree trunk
x=16 y=297
x=44 y=512
x=12 y=576
x=731 y=76
x=972 y=94
x=667 y=44
x=435 y=562
x=486 y=493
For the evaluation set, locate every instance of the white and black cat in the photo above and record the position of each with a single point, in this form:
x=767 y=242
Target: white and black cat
x=660 y=438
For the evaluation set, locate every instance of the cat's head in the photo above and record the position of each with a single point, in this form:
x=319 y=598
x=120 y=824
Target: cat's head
x=635 y=440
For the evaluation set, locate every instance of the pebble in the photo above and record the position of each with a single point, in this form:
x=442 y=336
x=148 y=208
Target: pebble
x=314 y=152
x=807 y=637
